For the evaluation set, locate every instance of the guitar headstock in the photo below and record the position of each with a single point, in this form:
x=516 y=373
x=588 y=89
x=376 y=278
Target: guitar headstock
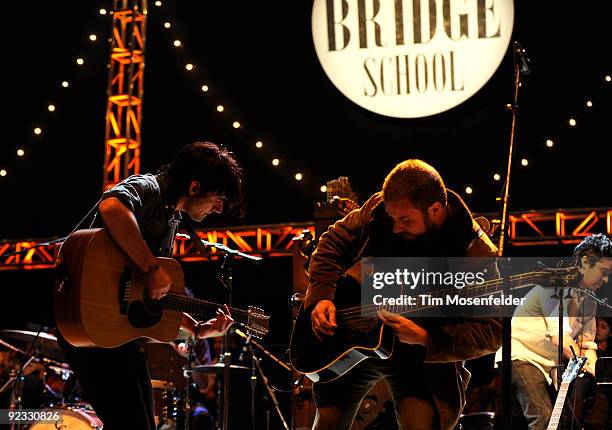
x=562 y=277
x=257 y=322
x=573 y=368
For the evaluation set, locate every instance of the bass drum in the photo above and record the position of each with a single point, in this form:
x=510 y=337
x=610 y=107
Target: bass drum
x=80 y=417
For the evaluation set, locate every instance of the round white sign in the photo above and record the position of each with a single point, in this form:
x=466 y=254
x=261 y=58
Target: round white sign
x=411 y=58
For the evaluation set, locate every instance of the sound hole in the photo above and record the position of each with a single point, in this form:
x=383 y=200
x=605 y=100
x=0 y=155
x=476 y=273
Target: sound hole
x=143 y=314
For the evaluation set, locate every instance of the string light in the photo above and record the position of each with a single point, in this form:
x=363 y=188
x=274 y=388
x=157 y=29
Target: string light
x=275 y=162
x=259 y=144
x=204 y=88
x=589 y=103
x=51 y=108
x=93 y=37
x=65 y=84
x=80 y=61
x=236 y=124
x=177 y=43
x=549 y=143
x=572 y=122
x=189 y=66
x=167 y=25
x=2 y=172
x=102 y=11
x=524 y=162
x=220 y=108
x=37 y=131
x=298 y=176
x=496 y=177
x=323 y=188
x=468 y=190
x=20 y=152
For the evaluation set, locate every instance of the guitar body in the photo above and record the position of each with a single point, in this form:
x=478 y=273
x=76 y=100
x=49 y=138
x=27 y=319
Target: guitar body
x=100 y=300
x=326 y=360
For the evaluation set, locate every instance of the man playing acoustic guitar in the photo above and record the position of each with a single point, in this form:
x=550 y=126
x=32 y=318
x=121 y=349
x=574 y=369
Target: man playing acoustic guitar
x=142 y=214
x=414 y=215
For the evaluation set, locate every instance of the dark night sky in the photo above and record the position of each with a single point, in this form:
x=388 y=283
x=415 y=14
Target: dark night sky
x=259 y=61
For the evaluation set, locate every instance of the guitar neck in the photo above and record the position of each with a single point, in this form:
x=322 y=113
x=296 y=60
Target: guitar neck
x=558 y=409
x=487 y=288
x=200 y=309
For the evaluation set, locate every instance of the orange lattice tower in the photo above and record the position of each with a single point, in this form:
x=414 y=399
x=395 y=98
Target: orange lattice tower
x=125 y=91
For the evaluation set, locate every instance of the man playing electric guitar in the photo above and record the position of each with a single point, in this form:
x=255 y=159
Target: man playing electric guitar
x=142 y=214
x=414 y=215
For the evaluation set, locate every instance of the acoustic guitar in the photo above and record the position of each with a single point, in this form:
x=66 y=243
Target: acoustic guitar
x=360 y=334
x=101 y=299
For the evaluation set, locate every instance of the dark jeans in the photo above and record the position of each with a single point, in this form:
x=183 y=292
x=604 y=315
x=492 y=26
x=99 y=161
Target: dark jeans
x=532 y=392
x=338 y=401
x=534 y=395
x=116 y=382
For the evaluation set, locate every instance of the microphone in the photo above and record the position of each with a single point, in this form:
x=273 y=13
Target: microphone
x=245 y=348
x=524 y=61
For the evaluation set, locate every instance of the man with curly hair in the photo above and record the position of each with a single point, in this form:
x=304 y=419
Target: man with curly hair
x=535 y=337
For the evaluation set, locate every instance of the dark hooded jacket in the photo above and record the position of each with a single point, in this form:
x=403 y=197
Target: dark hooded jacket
x=368 y=232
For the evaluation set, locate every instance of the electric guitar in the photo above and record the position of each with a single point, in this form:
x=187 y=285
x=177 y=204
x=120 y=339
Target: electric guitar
x=571 y=372
x=101 y=299
x=358 y=337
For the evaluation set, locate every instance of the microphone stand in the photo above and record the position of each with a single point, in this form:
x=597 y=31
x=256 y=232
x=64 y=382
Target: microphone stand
x=251 y=344
x=521 y=67
x=226 y=277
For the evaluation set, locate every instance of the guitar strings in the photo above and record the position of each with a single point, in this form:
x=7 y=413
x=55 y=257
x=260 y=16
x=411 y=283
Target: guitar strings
x=370 y=311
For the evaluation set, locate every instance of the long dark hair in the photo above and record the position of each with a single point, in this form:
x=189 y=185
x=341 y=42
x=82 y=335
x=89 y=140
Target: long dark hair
x=214 y=167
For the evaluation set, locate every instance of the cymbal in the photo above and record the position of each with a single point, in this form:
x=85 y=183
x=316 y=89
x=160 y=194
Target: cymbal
x=219 y=368
x=46 y=344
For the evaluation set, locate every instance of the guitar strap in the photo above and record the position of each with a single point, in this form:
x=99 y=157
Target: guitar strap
x=195 y=239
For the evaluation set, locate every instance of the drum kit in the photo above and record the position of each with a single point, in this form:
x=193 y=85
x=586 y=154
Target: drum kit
x=45 y=382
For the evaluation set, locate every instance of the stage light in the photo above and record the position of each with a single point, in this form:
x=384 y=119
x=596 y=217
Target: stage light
x=2 y=172
x=298 y=176
x=468 y=190
x=93 y=37
x=323 y=188
x=550 y=143
x=275 y=162
x=102 y=11
x=177 y=43
x=65 y=84
x=189 y=66
x=80 y=61
x=167 y=25
x=608 y=78
x=589 y=103
x=259 y=144
x=37 y=131
x=204 y=88
x=524 y=162
x=220 y=108
x=572 y=122
x=496 y=177
x=20 y=152
x=51 y=108
x=158 y=3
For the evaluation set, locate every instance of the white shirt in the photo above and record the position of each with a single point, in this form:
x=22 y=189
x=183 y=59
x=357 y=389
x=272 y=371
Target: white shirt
x=537 y=320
